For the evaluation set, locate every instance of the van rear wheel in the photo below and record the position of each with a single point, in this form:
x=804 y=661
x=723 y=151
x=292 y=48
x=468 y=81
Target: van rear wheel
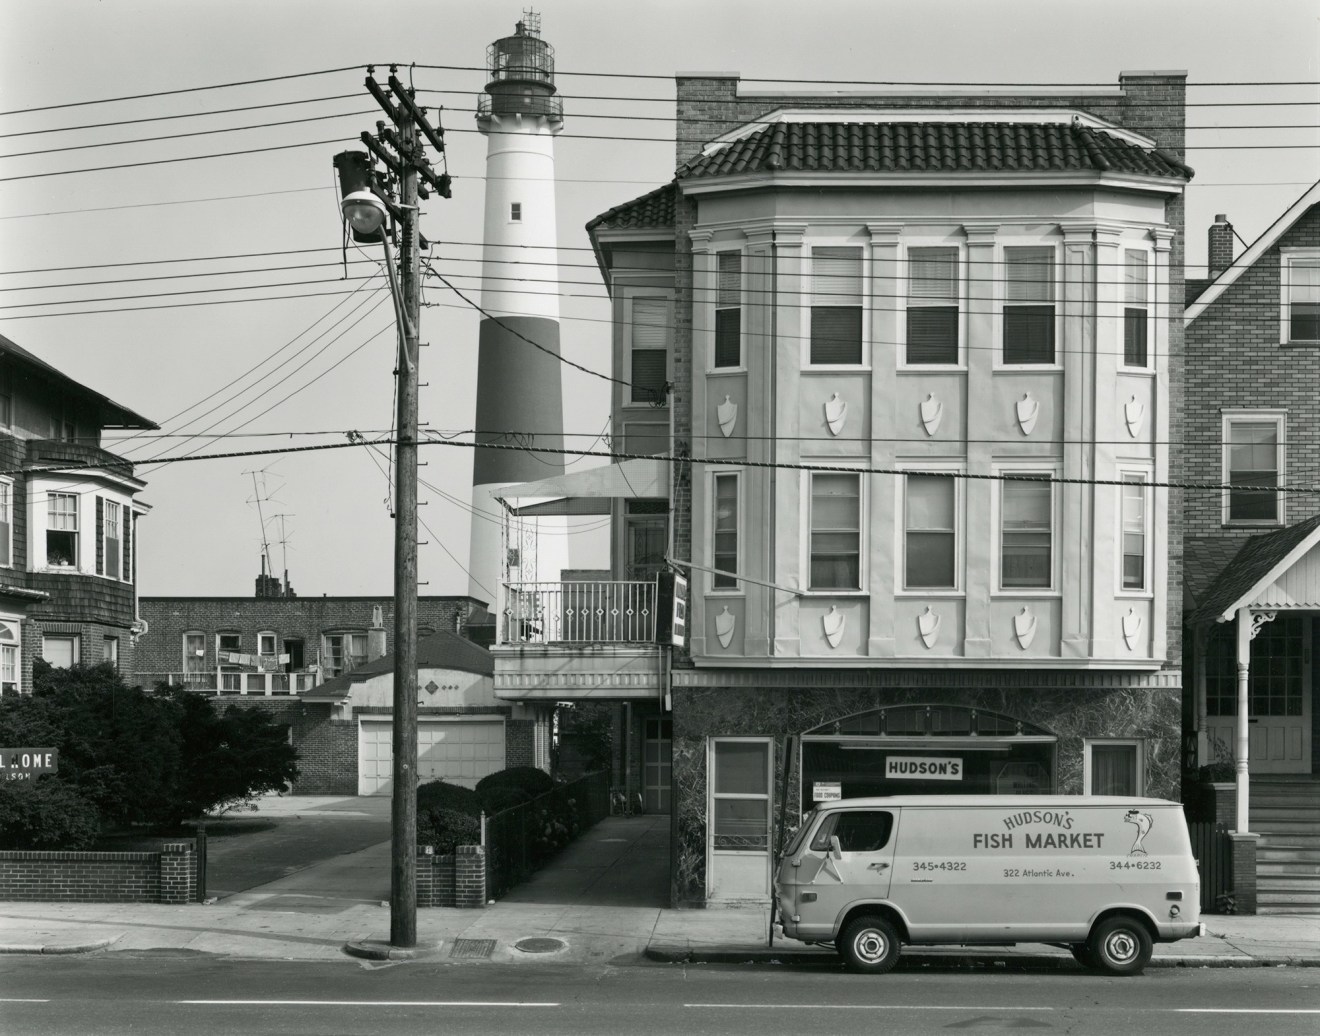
x=1120 y=946
x=869 y=945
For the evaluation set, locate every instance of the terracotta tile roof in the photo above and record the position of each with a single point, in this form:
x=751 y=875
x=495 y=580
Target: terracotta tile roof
x=1257 y=556
x=932 y=147
x=653 y=209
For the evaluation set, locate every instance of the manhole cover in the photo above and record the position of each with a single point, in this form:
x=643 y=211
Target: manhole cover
x=539 y=945
x=472 y=947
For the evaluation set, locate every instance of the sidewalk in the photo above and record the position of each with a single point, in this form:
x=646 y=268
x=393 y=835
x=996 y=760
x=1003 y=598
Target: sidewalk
x=601 y=900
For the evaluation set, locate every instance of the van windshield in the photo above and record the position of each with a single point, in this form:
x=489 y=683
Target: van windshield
x=795 y=842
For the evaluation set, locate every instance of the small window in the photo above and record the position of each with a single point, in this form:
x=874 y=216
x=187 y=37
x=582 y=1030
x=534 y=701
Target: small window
x=1114 y=768
x=728 y=311
x=1136 y=308
x=60 y=651
x=650 y=350
x=1252 y=457
x=344 y=652
x=113 y=541
x=725 y=533
x=1029 y=305
x=836 y=523
x=1026 y=532
x=110 y=651
x=1300 y=285
x=932 y=305
x=930 y=536
x=6 y=523
x=228 y=644
x=858 y=831
x=515 y=212
x=194 y=652
x=836 y=306
x=1134 y=532
x=10 y=639
x=62 y=530
x=266 y=643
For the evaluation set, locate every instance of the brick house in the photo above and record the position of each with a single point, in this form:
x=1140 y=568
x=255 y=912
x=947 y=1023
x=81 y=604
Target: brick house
x=68 y=523
x=912 y=362
x=1251 y=601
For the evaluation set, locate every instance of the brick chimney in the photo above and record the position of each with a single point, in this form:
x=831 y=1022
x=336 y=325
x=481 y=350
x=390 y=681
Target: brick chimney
x=1220 y=252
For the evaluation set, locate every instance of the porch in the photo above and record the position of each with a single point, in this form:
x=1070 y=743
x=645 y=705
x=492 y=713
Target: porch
x=229 y=681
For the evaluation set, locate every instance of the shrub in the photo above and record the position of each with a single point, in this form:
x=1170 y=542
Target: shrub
x=528 y=778
x=446 y=828
x=497 y=798
x=442 y=795
x=46 y=814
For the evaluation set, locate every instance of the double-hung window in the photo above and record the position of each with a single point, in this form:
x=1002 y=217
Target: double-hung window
x=1300 y=286
x=1136 y=308
x=9 y=651
x=1253 y=456
x=836 y=536
x=649 y=350
x=836 y=305
x=725 y=531
x=728 y=311
x=344 y=652
x=1029 y=304
x=932 y=305
x=1026 y=535
x=62 y=529
x=1134 y=539
x=1113 y=768
x=930 y=533
x=113 y=542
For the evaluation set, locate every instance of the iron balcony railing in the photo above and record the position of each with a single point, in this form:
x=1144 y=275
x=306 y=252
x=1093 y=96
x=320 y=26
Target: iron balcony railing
x=549 y=105
x=229 y=681
x=579 y=613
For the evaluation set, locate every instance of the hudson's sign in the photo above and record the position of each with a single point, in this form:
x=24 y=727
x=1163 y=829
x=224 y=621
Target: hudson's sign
x=20 y=764
x=923 y=768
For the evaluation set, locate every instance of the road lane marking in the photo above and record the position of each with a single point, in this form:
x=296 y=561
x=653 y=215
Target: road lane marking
x=20 y=1000
x=1245 y=1010
x=859 y=1007
x=366 y=1003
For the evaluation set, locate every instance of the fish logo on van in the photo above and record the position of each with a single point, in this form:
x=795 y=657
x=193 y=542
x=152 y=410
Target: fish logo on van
x=1143 y=823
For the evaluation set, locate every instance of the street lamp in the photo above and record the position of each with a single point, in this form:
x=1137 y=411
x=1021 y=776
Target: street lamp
x=365 y=212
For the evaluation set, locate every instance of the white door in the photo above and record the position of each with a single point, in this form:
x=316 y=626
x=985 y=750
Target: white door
x=457 y=751
x=739 y=821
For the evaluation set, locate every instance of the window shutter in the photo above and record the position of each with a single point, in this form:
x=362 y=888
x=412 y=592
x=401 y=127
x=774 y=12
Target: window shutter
x=100 y=536
x=128 y=549
x=730 y=290
x=1029 y=274
x=6 y=523
x=836 y=277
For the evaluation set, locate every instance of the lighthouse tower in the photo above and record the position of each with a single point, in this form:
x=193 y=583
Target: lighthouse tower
x=519 y=386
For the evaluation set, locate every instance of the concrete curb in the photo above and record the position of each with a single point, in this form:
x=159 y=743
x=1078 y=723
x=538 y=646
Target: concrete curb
x=56 y=949
x=378 y=949
x=1016 y=962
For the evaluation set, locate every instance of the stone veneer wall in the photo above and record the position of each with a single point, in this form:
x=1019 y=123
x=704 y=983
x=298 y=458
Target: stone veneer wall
x=1070 y=713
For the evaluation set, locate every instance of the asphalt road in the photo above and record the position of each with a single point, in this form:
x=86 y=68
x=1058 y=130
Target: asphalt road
x=112 y=994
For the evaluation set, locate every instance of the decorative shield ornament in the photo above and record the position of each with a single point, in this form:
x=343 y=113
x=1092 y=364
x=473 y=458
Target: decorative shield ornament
x=725 y=621
x=1028 y=410
x=1024 y=626
x=928 y=625
x=932 y=410
x=834 y=622
x=1133 y=414
x=836 y=413
x=1131 y=628
x=727 y=412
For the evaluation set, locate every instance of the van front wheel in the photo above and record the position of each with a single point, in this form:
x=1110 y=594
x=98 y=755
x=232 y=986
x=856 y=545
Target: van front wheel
x=869 y=945
x=1120 y=946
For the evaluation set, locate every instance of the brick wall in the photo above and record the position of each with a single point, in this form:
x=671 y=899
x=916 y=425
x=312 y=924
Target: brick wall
x=168 y=876
x=456 y=879
x=519 y=747
x=327 y=748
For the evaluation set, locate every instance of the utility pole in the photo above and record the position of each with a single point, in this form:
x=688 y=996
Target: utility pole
x=408 y=164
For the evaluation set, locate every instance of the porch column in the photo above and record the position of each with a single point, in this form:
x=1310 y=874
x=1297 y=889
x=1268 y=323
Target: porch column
x=1245 y=632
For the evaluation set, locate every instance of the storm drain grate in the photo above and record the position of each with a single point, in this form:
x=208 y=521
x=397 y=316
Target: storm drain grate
x=472 y=948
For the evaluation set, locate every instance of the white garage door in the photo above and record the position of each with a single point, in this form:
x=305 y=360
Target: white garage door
x=460 y=752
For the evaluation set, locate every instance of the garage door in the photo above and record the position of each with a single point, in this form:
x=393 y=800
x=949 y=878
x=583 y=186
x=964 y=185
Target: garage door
x=454 y=751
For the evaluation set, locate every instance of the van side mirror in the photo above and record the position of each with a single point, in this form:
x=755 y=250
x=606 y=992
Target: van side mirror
x=836 y=850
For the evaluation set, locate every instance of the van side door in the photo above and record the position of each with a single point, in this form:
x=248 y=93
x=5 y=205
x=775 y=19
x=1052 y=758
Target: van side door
x=850 y=858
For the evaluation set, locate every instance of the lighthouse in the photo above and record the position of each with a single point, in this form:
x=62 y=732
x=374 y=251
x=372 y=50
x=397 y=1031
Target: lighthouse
x=519 y=377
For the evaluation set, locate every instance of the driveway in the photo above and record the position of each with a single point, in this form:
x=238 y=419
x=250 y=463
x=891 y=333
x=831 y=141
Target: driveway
x=303 y=835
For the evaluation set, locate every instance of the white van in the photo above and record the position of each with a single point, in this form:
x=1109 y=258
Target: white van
x=1106 y=877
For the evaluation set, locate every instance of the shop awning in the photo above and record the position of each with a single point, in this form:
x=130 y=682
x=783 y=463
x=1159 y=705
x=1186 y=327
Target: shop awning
x=592 y=490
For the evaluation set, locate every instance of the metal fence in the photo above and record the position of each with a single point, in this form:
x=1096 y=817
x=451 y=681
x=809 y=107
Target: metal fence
x=1214 y=857
x=520 y=840
x=580 y=612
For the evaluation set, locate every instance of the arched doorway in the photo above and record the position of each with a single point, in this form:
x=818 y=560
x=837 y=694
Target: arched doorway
x=925 y=750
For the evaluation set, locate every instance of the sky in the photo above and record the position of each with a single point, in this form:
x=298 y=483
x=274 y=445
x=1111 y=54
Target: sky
x=222 y=372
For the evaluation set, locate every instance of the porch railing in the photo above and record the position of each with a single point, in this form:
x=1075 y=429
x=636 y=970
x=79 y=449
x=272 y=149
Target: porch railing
x=579 y=613
x=227 y=681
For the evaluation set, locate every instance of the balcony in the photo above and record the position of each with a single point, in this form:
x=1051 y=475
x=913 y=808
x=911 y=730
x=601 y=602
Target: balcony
x=549 y=105
x=229 y=681
x=578 y=641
